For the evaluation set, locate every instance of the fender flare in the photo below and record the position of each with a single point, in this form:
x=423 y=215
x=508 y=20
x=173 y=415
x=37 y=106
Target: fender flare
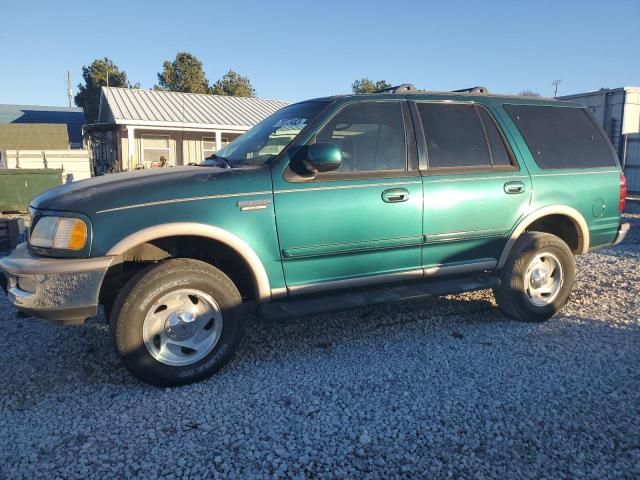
x=261 y=280
x=576 y=217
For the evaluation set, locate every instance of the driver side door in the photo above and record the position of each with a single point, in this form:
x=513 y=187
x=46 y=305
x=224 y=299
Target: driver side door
x=361 y=223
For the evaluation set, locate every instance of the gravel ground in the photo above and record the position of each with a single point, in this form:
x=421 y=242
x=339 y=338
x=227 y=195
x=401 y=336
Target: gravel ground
x=446 y=387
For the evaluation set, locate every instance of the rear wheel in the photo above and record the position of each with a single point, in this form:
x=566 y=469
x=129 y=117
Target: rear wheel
x=177 y=322
x=537 y=278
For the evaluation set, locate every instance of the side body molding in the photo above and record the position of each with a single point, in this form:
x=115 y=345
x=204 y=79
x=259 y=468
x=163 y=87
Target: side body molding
x=575 y=216
x=201 y=230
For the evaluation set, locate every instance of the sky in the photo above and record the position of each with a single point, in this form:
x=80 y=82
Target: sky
x=297 y=50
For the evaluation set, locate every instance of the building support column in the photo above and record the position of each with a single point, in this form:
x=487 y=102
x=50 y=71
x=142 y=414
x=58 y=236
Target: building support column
x=131 y=147
x=218 y=140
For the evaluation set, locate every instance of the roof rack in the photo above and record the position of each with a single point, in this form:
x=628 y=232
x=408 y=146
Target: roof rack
x=472 y=90
x=409 y=87
x=405 y=87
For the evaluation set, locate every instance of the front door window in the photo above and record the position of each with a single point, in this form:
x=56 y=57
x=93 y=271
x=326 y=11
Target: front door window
x=370 y=135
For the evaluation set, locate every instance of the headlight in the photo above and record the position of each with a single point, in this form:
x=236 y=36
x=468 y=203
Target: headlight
x=64 y=233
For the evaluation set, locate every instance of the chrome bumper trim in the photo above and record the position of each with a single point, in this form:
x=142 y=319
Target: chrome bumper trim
x=62 y=291
x=22 y=261
x=623 y=229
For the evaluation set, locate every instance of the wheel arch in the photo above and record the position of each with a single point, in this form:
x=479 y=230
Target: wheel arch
x=570 y=214
x=192 y=229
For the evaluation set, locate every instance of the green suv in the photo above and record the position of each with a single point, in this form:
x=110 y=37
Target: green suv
x=327 y=204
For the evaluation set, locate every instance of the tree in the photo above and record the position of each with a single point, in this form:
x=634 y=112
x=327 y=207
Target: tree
x=101 y=72
x=364 y=85
x=528 y=93
x=234 y=85
x=184 y=74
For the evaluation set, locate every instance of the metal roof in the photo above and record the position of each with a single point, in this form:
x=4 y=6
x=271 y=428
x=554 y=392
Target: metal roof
x=73 y=118
x=156 y=107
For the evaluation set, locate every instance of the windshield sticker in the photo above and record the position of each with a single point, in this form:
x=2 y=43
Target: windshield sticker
x=290 y=124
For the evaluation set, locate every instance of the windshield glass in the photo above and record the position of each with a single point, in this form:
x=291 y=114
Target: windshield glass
x=269 y=137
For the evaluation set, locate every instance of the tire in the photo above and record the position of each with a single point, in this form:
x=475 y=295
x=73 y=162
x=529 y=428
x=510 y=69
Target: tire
x=537 y=279
x=107 y=308
x=176 y=322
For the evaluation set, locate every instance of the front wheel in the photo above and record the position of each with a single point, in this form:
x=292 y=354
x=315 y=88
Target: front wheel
x=177 y=322
x=537 y=278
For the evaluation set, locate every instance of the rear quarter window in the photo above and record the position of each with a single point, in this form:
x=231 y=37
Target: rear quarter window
x=562 y=137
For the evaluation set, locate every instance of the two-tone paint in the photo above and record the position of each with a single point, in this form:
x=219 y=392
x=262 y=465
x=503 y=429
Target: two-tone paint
x=303 y=236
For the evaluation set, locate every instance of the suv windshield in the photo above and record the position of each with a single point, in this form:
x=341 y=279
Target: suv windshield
x=269 y=137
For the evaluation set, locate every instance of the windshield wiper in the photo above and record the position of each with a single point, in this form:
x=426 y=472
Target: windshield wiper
x=258 y=161
x=223 y=160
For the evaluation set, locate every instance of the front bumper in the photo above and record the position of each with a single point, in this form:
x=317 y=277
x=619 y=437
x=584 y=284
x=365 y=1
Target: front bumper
x=623 y=229
x=64 y=291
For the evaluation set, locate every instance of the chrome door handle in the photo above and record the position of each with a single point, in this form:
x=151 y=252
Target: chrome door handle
x=514 y=187
x=395 y=195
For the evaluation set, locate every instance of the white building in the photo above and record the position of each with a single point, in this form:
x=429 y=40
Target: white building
x=148 y=128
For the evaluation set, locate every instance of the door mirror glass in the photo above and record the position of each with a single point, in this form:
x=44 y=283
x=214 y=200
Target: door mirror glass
x=317 y=158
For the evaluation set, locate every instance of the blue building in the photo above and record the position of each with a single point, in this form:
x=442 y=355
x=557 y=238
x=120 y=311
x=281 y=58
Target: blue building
x=73 y=118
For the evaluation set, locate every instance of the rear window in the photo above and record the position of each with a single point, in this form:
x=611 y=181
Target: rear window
x=562 y=137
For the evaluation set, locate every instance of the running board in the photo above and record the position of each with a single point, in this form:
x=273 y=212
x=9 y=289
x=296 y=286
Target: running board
x=299 y=306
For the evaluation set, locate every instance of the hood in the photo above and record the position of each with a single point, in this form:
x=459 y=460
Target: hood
x=142 y=186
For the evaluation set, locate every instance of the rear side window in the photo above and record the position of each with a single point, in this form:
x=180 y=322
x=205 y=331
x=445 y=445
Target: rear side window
x=461 y=136
x=454 y=136
x=562 y=137
x=499 y=153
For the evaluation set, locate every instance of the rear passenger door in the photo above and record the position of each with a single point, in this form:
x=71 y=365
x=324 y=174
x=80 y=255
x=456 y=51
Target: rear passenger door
x=474 y=189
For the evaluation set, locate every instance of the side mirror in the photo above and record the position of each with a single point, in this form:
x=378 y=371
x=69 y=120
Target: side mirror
x=317 y=158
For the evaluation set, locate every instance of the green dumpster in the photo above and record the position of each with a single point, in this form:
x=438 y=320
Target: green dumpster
x=18 y=186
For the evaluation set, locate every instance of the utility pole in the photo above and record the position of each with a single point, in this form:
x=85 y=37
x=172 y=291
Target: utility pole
x=555 y=83
x=69 y=89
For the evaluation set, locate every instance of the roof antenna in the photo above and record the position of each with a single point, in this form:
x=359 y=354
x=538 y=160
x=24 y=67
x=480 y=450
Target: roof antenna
x=69 y=89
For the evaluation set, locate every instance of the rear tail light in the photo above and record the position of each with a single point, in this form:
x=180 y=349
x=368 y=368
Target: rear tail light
x=623 y=193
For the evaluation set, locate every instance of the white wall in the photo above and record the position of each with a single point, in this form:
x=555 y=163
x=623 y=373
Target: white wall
x=632 y=167
x=617 y=110
x=76 y=162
